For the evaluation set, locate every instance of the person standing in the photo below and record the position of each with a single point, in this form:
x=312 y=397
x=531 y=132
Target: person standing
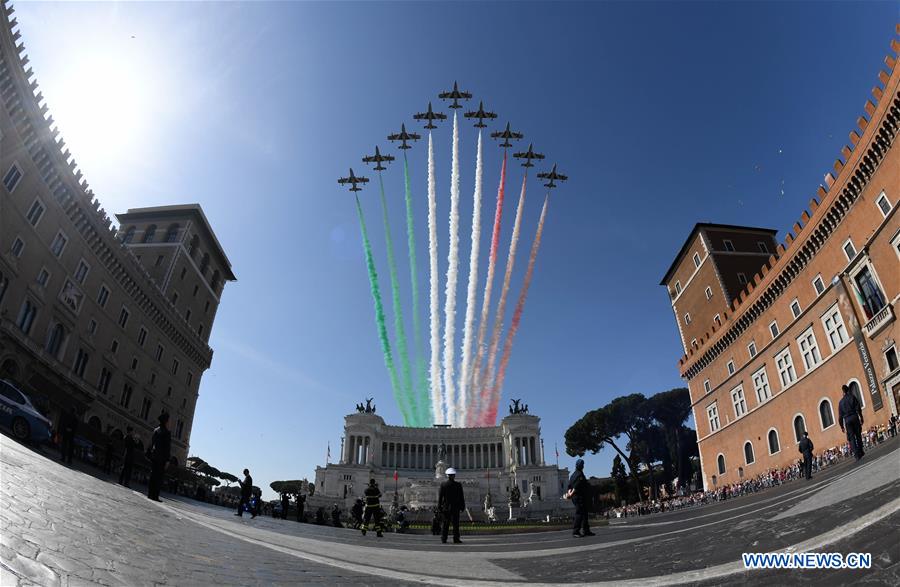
x=68 y=426
x=128 y=457
x=892 y=425
x=806 y=449
x=285 y=501
x=246 y=492
x=108 y=457
x=580 y=492
x=851 y=420
x=301 y=502
x=451 y=501
x=159 y=453
x=373 y=508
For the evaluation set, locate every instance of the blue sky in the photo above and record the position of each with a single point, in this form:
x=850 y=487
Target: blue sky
x=662 y=114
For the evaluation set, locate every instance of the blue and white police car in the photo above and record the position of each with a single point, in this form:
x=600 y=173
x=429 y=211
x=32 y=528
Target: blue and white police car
x=19 y=415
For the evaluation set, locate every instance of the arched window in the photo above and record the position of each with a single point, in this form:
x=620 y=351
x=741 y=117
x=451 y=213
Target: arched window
x=55 y=340
x=773 y=442
x=714 y=480
x=195 y=242
x=4 y=283
x=741 y=472
x=149 y=233
x=172 y=233
x=720 y=461
x=826 y=415
x=26 y=316
x=129 y=235
x=94 y=423
x=854 y=389
x=204 y=264
x=216 y=278
x=748 y=453
x=799 y=426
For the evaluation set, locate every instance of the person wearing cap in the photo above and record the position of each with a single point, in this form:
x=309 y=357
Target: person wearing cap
x=580 y=491
x=851 y=420
x=806 y=447
x=451 y=502
x=373 y=508
x=159 y=453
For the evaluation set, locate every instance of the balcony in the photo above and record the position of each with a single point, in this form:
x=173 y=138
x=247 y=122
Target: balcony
x=884 y=317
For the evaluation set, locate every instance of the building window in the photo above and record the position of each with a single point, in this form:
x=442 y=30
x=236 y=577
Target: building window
x=183 y=272
x=854 y=389
x=762 y=247
x=190 y=378
x=216 y=279
x=159 y=260
x=694 y=342
x=696 y=260
x=720 y=462
x=142 y=336
x=169 y=391
x=819 y=285
x=26 y=316
x=58 y=244
x=17 y=248
x=826 y=415
x=196 y=289
x=145 y=408
x=129 y=235
x=134 y=363
x=204 y=264
x=174 y=298
x=105 y=378
x=799 y=427
x=82 y=271
x=125 y=400
x=206 y=307
x=55 y=340
x=12 y=177
x=187 y=316
x=785 y=365
x=123 y=317
x=152 y=378
x=729 y=246
x=883 y=204
x=708 y=293
x=172 y=233
x=92 y=326
x=43 y=277
x=795 y=308
x=890 y=357
x=870 y=294
x=751 y=348
x=159 y=352
x=774 y=447
x=200 y=330
x=114 y=346
x=717 y=319
x=809 y=349
x=748 y=453
x=179 y=429
x=677 y=288
x=761 y=386
x=742 y=279
x=738 y=401
x=706 y=386
x=834 y=328
x=849 y=250
x=35 y=213
x=174 y=366
x=730 y=367
x=81 y=360
x=149 y=233
x=103 y=296
x=687 y=318
x=773 y=328
x=712 y=412
x=4 y=285
x=192 y=248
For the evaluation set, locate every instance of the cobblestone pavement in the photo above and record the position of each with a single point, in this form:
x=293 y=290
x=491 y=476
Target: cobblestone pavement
x=60 y=526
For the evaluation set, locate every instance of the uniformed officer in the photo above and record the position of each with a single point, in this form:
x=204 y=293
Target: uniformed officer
x=851 y=420
x=451 y=502
x=373 y=508
x=159 y=453
x=806 y=449
x=246 y=493
x=580 y=492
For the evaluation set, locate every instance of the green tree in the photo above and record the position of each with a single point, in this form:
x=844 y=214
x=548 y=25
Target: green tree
x=671 y=409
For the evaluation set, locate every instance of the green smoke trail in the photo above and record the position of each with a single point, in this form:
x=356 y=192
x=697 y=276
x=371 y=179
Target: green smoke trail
x=399 y=330
x=423 y=397
x=379 y=316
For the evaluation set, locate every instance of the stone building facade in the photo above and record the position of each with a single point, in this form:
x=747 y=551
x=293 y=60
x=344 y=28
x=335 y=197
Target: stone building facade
x=488 y=459
x=766 y=360
x=112 y=323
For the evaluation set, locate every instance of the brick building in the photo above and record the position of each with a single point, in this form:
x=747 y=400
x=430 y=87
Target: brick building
x=771 y=331
x=111 y=322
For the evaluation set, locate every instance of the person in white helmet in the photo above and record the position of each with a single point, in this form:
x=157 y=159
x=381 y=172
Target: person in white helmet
x=451 y=502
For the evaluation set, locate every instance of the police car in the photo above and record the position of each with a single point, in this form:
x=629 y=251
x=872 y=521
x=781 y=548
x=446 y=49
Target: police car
x=18 y=414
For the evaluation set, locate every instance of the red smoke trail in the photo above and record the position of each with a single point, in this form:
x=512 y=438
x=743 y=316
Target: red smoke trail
x=491 y=412
x=475 y=407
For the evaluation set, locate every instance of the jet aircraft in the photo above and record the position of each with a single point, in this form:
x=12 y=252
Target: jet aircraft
x=353 y=179
x=528 y=156
x=455 y=95
x=553 y=177
x=430 y=116
x=378 y=159
x=480 y=114
x=403 y=137
x=506 y=135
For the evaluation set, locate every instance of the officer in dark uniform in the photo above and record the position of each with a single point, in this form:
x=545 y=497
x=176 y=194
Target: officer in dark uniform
x=356 y=513
x=451 y=502
x=301 y=503
x=373 y=508
x=159 y=453
x=128 y=457
x=806 y=449
x=580 y=491
x=68 y=426
x=246 y=492
x=285 y=501
x=851 y=420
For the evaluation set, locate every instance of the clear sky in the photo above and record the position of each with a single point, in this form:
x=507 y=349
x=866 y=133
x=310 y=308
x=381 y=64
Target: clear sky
x=662 y=114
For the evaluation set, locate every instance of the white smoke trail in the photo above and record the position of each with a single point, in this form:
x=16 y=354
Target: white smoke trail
x=436 y=394
x=465 y=390
x=452 y=278
x=487 y=375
